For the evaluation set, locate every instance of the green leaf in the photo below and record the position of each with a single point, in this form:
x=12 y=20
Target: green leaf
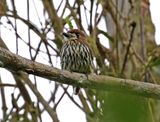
x=155 y=62
x=68 y=21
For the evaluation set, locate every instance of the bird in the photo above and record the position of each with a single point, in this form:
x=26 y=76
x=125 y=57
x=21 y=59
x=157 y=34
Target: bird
x=76 y=54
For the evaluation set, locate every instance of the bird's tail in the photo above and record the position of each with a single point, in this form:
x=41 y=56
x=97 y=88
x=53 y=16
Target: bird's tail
x=76 y=90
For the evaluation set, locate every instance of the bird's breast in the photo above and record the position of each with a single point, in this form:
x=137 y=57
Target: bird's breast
x=76 y=56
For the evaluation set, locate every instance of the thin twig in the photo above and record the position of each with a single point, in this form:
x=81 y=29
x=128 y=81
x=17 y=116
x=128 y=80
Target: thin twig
x=50 y=111
x=65 y=90
x=133 y=25
x=7 y=85
x=3 y=99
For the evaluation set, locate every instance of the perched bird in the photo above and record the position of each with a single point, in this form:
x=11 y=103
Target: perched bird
x=76 y=55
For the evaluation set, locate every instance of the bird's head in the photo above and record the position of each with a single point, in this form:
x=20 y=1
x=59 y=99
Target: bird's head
x=75 y=34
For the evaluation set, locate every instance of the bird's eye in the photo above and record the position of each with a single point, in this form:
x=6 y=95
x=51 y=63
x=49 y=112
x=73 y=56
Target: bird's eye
x=77 y=34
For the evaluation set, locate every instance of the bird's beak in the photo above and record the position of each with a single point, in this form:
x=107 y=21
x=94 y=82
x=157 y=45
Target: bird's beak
x=65 y=35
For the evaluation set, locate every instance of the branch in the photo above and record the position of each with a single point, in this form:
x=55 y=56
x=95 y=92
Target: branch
x=17 y=63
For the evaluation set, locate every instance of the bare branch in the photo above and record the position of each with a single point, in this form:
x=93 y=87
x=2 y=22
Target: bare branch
x=15 y=63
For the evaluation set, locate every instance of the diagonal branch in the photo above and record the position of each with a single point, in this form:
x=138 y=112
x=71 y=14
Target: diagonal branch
x=15 y=63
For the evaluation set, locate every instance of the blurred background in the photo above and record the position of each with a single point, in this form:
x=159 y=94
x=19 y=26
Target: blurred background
x=124 y=36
